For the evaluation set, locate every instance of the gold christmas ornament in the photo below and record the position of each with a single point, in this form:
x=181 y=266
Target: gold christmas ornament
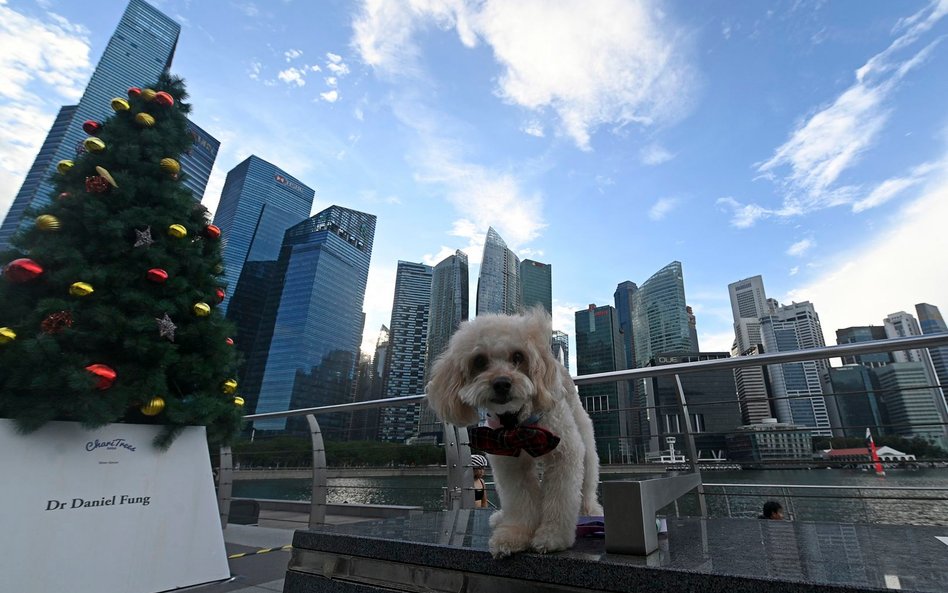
x=148 y=94
x=119 y=104
x=201 y=309
x=229 y=387
x=81 y=289
x=47 y=222
x=178 y=231
x=7 y=335
x=170 y=166
x=153 y=407
x=93 y=144
x=239 y=401
x=64 y=165
x=144 y=120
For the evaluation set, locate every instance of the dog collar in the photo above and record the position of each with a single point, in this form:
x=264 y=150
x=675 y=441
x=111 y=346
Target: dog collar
x=510 y=420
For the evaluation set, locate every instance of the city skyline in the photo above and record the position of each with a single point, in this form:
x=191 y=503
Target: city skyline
x=730 y=184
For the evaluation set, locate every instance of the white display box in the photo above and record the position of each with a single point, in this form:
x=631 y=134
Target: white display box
x=104 y=511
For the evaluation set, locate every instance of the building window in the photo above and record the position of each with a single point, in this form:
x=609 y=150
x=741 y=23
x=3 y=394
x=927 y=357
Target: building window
x=671 y=423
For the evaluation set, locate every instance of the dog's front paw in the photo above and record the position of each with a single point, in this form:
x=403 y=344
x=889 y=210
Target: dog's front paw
x=509 y=539
x=496 y=518
x=550 y=538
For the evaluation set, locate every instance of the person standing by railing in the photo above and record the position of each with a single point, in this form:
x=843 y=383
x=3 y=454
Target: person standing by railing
x=479 y=465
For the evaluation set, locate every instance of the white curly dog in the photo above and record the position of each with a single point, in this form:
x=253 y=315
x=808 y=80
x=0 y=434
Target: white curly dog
x=504 y=365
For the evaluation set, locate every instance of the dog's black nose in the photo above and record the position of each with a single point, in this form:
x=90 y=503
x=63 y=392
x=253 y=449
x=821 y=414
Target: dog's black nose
x=501 y=387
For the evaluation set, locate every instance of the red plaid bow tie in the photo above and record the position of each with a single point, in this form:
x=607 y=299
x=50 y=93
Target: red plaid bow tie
x=510 y=441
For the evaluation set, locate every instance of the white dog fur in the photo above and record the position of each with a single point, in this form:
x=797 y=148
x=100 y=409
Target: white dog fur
x=515 y=350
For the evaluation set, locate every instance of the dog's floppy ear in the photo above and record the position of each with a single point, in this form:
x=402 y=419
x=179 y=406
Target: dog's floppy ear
x=447 y=379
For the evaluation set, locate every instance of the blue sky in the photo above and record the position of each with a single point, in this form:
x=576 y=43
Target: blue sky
x=803 y=141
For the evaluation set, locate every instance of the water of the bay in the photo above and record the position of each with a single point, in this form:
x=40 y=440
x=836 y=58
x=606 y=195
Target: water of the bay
x=858 y=501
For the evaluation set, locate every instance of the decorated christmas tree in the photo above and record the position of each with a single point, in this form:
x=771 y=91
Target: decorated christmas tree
x=107 y=301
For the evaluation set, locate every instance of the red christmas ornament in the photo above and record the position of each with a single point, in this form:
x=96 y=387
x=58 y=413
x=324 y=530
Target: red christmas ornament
x=56 y=322
x=22 y=270
x=134 y=92
x=105 y=374
x=229 y=341
x=164 y=99
x=91 y=127
x=212 y=232
x=64 y=195
x=157 y=275
x=220 y=294
x=96 y=184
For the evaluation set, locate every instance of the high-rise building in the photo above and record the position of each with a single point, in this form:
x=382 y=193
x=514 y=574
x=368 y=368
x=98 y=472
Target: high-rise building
x=931 y=322
x=864 y=333
x=712 y=405
x=199 y=160
x=599 y=350
x=408 y=345
x=913 y=407
x=692 y=328
x=659 y=315
x=258 y=203
x=560 y=346
x=449 y=307
x=140 y=49
x=498 y=284
x=748 y=304
x=624 y=302
x=311 y=327
x=364 y=424
x=855 y=404
x=536 y=285
x=797 y=387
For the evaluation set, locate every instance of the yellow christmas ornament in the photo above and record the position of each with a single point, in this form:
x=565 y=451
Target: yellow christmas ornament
x=201 y=309
x=144 y=120
x=229 y=386
x=105 y=175
x=64 y=165
x=47 y=222
x=7 y=335
x=170 y=166
x=80 y=289
x=153 y=407
x=119 y=104
x=93 y=144
x=239 y=401
x=148 y=94
x=178 y=231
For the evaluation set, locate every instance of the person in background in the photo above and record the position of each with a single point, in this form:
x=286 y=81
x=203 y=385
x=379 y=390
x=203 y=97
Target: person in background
x=479 y=465
x=772 y=510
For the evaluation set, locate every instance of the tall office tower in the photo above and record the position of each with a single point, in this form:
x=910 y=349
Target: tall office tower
x=914 y=408
x=902 y=324
x=623 y=300
x=864 y=333
x=659 y=316
x=931 y=321
x=311 y=327
x=448 y=308
x=199 y=160
x=692 y=328
x=140 y=49
x=599 y=350
x=364 y=424
x=797 y=387
x=498 y=285
x=857 y=403
x=258 y=203
x=560 y=346
x=536 y=285
x=749 y=303
x=712 y=404
x=408 y=345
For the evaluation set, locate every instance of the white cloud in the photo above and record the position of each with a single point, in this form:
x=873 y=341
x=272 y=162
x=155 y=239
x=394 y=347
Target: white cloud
x=890 y=188
x=315 y=68
x=629 y=71
x=655 y=154
x=533 y=128
x=720 y=341
x=292 y=54
x=249 y=9
x=330 y=96
x=801 y=247
x=293 y=76
x=794 y=271
x=338 y=69
x=333 y=58
x=331 y=81
x=254 y=71
x=745 y=215
x=661 y=208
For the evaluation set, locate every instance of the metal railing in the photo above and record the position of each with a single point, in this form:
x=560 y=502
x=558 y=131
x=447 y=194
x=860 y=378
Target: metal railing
x=459 y=493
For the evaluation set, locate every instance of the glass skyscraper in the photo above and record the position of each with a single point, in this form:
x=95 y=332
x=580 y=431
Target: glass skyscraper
x=498 y=285
x=559 y=343
x=931 y=322
x=408 y=344
x=311 y=327
x=659 y=315
x=536 y=285
x=140 y=49
x=258 y=203
x=599 y=350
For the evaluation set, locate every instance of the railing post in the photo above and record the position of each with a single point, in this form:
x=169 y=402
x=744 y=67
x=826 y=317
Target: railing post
x=225 y=481
x=459 y=493
x=317 y=505
x=690 y=443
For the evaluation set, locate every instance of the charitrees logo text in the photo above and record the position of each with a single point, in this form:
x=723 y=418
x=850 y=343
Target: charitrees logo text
x=109 y=445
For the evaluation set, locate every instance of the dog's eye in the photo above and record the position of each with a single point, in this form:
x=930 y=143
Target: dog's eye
x=479 y=363
x=517 y=358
